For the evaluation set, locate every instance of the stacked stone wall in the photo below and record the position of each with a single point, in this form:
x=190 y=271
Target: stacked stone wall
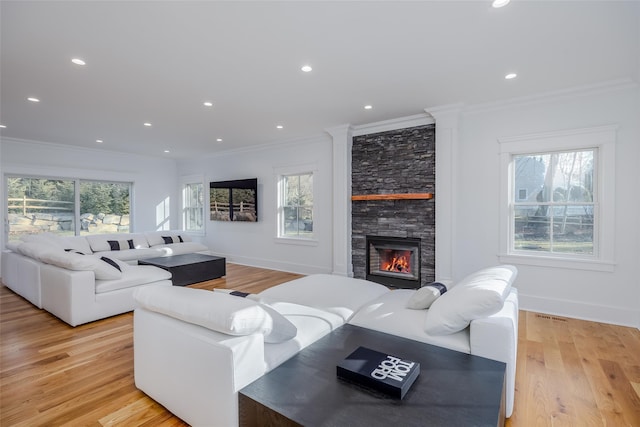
x=394 y=162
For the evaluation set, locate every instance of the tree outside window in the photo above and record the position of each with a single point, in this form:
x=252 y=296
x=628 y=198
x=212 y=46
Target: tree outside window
x=554 y=203
x=296 y=206
x=50 y=205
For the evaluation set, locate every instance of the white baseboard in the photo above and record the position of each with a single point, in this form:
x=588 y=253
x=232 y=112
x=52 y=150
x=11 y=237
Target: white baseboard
x=577 y=310
x=274 y=265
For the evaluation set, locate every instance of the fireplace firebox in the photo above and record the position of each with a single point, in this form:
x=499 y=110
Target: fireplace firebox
x=393 y=261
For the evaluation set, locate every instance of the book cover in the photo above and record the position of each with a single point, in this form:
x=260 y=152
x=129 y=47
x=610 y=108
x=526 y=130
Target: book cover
x=380 y=371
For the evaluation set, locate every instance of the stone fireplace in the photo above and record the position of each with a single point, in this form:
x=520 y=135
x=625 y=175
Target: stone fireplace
x=393 y=180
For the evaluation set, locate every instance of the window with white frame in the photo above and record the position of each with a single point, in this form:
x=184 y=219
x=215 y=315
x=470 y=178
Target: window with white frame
x=66 y=206
x=193 y=205
x=295 y=206
x=553 y=209
x=557 y=193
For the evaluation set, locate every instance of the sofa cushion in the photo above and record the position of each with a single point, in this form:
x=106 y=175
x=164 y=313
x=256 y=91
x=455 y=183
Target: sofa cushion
x=103 y=267
x=100 y=242
x=217 y=311
x=480 y=294
x=336 y=294
x=180 y=248
x=426 y=295
x=388 y=313
x=312 y=324
x=155 y=238
x=76 y=243
x=132 y=276
x=37 y=249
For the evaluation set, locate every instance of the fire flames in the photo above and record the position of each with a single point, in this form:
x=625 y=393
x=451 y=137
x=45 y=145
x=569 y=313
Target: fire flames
x=396 y=264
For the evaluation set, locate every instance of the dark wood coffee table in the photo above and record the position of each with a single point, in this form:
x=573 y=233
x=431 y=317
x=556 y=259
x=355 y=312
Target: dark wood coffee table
x=453 y=389
x=189 y=268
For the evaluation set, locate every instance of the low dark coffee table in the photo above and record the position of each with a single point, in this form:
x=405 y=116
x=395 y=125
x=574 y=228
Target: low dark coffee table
x=189 y=268
x=453 y=389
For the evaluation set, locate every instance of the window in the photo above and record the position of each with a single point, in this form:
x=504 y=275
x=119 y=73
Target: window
x=558 y=192
x=295 y=207
x=193 y=207
x=553 y=209
x=54 y=205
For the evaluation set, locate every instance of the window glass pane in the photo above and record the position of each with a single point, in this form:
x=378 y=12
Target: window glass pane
x=531 y=228
x=553 y=202
x=104 y=207
x=193 y=210
x=529 y=176
x=40 y=206
x=297 y=206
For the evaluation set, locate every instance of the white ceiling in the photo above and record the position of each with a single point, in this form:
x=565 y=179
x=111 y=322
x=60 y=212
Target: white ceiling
x=152 y=61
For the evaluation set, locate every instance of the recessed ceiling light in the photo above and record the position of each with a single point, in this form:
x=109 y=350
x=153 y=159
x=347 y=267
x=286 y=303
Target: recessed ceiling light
x=99 y=141
x=500 y=3
x=511 y=76
x=147 y=124
x=219 y=140
x=368 y=107
x=208 y=104
x=279 y=127
x=167 y=151
x=32 y=99
x=306 y=68
x=78 y=61
x=3 y=127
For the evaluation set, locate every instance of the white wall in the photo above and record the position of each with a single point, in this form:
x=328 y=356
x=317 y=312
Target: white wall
x=603 y=296
x=154 y=200
x=255 y=243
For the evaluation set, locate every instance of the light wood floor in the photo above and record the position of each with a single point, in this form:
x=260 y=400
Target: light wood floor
x=570 y=372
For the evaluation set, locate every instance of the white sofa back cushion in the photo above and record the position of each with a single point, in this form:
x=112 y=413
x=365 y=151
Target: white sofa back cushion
x=480 y=294
x=100 y=242
x=155 y=238
x=103 y=267
x=217 y=311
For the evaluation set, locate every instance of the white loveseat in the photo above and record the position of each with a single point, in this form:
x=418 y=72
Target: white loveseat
x=195 y=349
x=69 y=277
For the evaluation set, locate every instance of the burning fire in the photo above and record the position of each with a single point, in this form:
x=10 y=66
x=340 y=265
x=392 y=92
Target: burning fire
x=398 y=264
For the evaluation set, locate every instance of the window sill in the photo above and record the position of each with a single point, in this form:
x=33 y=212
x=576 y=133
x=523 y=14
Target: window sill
x=294 y=241
x=553 y=262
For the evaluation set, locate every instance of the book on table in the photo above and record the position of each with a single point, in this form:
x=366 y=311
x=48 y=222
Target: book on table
x=383 y=372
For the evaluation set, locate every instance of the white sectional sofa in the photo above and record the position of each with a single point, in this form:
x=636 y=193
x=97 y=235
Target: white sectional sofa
x=195 y=349
x=69 y=277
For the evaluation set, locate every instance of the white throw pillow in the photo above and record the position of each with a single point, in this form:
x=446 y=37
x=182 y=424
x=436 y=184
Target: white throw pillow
x=425 y=296
x=478 y=295
x=217 y=311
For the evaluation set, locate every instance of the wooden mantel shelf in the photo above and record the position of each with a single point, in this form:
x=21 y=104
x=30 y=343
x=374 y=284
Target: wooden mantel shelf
x=405 y=196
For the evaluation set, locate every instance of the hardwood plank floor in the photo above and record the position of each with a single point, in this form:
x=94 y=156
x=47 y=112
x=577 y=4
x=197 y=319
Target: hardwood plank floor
x=570 y=372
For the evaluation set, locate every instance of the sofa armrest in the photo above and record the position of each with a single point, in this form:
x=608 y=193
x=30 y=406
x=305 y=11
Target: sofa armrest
x=193 y=371
x=67 y=294
x=496 y=337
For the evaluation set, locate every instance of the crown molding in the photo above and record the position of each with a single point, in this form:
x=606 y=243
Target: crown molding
x=421 y=119
x=574 y=92
x=316 y=138
x=79 y=149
